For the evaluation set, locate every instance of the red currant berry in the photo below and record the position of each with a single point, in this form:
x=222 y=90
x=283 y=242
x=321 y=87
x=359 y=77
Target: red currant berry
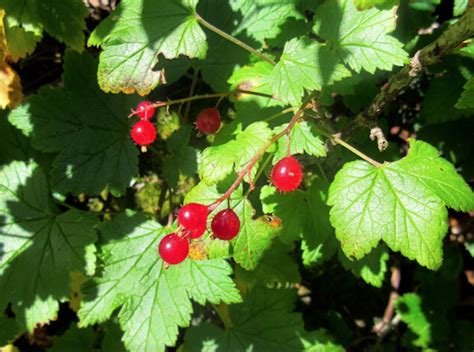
x=193 y=217
x=287 y=174
x=143 y=132
x=225 y=225
x=208 y=121
x=173 y=249
x=145 y=110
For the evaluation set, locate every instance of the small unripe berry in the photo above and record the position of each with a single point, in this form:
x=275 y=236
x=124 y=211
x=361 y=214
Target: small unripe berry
x=143 y=132
x=173 y=249
x=287 y=174
x=145 y=110
x=225 y=225
x=193 y=218
x=208 y=121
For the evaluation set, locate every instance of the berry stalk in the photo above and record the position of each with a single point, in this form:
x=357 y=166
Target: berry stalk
x=256 y=158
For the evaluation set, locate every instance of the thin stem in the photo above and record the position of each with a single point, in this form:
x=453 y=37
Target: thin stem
x=159 y=104
x=355 y=151
x=243 y=91
x=191 y=93
x=259 y=154
x=233 y=40
x=277 y=115
x=336 y=139
x=321 y=170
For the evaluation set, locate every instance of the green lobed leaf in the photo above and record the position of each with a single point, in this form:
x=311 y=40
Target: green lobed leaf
x=152 y=302
x=277 y=267
x=401 y=203
x=367 y=4
x=88 y=128
x=423 y=162
x=9 y=330
x=40 y=243
x=304 y=65
x=74 y=340
x=133 y=36
x=411 y=312
x=304 y=140
x=218 y=161
x=63 y=19
x=182 y=159
x=360 y=38
x=256 y=78
x=371 y=268
x=467 y=97
x=261 y=19
x=440 y=104
x=459 y=7
x=21 y=36
x=304 y=214
x=263 y=322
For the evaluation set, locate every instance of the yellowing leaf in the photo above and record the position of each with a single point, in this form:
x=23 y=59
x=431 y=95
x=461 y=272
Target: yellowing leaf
x=11 y=93
x=10 y=87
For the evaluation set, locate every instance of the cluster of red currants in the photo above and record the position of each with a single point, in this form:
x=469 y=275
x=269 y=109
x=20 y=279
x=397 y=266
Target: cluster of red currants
x=286 y=176
x=192 y=221
x=144 y=132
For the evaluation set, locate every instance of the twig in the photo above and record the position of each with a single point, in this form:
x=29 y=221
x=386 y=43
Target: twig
x=431 y=54
x=191 y=93
x=382 y=327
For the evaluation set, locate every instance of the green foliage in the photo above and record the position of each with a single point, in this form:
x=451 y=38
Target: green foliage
x=75 y=340
x=135 y=281
x=371 y=268
x=72 y=180
x=303 y=139
x=217 y=162
x=304 y=65
x=86 y=127
x=467 y=97
x=360 y=38
x=39 y=240
x=131 y=43
x=409 y=308
x=263 y=322
x=401 y=203
x=26 y=19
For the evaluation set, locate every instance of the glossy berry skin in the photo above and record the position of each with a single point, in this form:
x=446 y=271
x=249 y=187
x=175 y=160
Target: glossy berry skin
x=193 y=217
x=208 y=121
x=173 y=249
x=225 y=225
x=144 y=111
x=287 y=174
x=143 y=132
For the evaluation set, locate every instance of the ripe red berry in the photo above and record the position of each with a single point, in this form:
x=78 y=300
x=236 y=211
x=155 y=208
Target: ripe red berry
x=208 y=121
x=287 y=174
x=143 y=132
x=173 y=249
x=145 y=110
x=225 y=225
x=193 y=217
